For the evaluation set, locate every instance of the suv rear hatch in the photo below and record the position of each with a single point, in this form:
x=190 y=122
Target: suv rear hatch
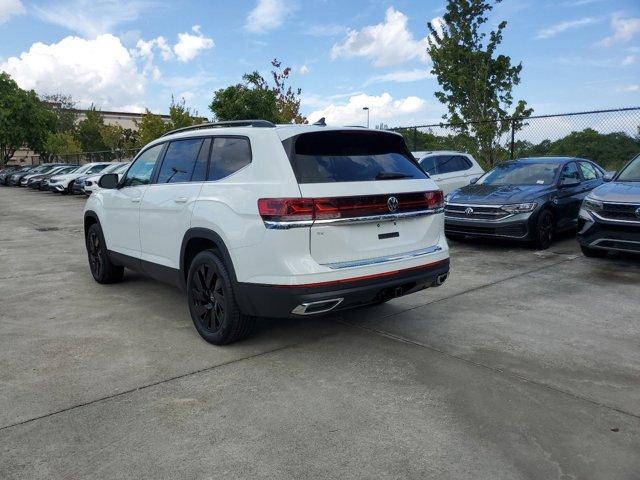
x=371 y=201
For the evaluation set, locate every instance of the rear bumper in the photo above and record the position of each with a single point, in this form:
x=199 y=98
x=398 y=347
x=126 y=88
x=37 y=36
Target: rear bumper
x=290 y=301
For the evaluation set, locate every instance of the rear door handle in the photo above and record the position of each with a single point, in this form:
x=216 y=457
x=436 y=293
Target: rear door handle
x=181 y=200
x=135 y=200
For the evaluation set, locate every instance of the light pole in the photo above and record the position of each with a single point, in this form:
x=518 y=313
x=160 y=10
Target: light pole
x=367 y=109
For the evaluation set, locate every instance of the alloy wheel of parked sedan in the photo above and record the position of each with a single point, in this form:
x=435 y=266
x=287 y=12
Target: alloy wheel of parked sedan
x=208 y=299
x=545 y=229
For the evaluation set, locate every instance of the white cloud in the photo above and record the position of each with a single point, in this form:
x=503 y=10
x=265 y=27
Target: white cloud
x=401 y=76
x=304 y=70
x=190 y=45
x=624 y=29
x=9 y=8
x=561 y=27
x=100 y=71
x=629 y=88
x=91 y=17
x=388 y=43
x=145 y=50
x=629 y=60
x=267 y=15
x=383 y=108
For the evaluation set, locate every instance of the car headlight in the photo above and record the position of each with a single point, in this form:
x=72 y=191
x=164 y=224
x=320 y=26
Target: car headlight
x=520 y=207
x=447 y=197
x=592 y=204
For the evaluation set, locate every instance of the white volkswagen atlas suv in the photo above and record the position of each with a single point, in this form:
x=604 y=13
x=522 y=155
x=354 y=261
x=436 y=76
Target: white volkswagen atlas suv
x=253 y=220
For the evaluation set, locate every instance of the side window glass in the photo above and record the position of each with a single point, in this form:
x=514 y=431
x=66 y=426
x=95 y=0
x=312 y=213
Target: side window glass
x=571 y=171
x=228 y=155
x=200 y=170
x=452 y=163
x=429 y=165
x=141 y=170
x=588 y=171
x=179 y=161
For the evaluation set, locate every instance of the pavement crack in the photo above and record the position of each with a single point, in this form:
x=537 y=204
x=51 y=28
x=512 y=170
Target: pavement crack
x=148 y=385
x=500 y=371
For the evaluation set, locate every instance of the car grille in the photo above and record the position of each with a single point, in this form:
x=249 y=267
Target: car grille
x=620 y=211
x=517 y=230
x=475 y=212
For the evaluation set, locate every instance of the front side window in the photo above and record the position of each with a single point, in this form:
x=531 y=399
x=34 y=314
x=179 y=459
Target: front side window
x=571 y=171
x=589 y=172
x=179 y=161
x=514 y=173
x=631 y=173
x=350 y=156
x=141 y=170
x=452 y=163
x=228 y=155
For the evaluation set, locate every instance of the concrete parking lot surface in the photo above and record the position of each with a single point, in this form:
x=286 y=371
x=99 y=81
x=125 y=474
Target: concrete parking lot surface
x=524 y=364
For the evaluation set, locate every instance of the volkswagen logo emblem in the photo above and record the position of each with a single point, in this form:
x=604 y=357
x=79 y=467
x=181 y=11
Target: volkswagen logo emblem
x=638 y=212
x=468 y=211
x=392 y=204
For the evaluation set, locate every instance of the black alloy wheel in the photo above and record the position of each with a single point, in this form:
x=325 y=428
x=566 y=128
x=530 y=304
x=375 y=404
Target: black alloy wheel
x=102 y=269
x=207 y=297
x=212 y=304
x=545 y=230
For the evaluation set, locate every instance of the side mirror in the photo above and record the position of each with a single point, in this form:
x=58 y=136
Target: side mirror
x=568 y=182
x=108 y=180
x=474 y=180
x=608 y=176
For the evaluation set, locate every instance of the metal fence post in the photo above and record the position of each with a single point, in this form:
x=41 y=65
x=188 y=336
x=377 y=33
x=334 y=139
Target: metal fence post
x=415 y=139
x=513 y=137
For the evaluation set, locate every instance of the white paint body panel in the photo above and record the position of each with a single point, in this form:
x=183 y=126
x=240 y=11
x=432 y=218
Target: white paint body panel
x=448 y=182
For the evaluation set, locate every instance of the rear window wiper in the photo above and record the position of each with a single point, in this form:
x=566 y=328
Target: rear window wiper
x=392 y=175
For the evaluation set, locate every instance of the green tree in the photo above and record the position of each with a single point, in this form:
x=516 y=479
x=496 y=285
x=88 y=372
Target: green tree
x=476 y=82
x=256 y=99
x=181 y=115
x=24 y=120
x=150 y=127
x=90 y=131
x=112 y=137
x=61 y=143
x=64 y=109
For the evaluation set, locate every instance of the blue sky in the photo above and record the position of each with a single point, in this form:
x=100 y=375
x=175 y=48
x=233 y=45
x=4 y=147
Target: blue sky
x=577 y=54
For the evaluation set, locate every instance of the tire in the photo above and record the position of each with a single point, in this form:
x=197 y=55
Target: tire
x=212 y=302
x=545 y=230
x=593 y=252
x=455 y=237
x=102 y=269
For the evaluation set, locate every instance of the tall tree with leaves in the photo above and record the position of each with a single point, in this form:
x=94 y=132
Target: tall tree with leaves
x=24 y=120
x=90 y=131
x=150 y=127
x=476 y=81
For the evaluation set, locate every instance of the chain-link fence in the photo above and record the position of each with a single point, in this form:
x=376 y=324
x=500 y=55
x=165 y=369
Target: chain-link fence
x=608 y=137
x=123 y=155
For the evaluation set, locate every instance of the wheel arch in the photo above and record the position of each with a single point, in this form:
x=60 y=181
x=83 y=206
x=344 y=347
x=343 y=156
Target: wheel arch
x=90 y=218
x=196 y=240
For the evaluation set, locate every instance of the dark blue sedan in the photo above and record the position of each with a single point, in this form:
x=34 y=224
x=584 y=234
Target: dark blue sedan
x=529 y=199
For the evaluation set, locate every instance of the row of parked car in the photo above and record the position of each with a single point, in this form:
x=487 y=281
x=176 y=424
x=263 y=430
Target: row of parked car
x=60 y=177
x=534 y=199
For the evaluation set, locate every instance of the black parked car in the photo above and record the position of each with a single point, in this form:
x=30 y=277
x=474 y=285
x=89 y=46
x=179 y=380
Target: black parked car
x=529 y=199
x=6 y=171
x=5 y=178
x=610 y=215
x=15 y=177
x=35 y=181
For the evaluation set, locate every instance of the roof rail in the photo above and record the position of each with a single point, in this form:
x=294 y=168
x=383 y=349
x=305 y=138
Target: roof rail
x=230 y=123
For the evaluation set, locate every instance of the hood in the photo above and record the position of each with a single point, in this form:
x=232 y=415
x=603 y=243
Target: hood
x=499 y=194
x=625 y=192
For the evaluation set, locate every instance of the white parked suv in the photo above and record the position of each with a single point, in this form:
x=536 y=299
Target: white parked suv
x=90 y=183
x=451 y=170
x=257 y=220
x=63 y=183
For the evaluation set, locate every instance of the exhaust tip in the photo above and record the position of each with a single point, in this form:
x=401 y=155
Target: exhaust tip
x=313 y=308
x=441 y=279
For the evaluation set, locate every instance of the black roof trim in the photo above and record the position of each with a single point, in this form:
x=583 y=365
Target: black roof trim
x=232 y=123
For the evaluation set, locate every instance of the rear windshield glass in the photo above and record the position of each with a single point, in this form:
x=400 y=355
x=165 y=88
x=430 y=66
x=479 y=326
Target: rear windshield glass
x=350 y=156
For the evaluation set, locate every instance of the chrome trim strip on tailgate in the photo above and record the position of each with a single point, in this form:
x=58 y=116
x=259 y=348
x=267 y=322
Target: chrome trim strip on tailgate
x=386 y=258
x=387 y=217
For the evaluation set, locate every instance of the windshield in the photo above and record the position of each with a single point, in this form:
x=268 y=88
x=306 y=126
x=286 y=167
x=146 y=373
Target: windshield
x=631 y=173
x=515 y=173
x=350 y=156
x=121 y=168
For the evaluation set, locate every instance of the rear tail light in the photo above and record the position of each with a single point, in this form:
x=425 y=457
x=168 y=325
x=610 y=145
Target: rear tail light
x=284 y=210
